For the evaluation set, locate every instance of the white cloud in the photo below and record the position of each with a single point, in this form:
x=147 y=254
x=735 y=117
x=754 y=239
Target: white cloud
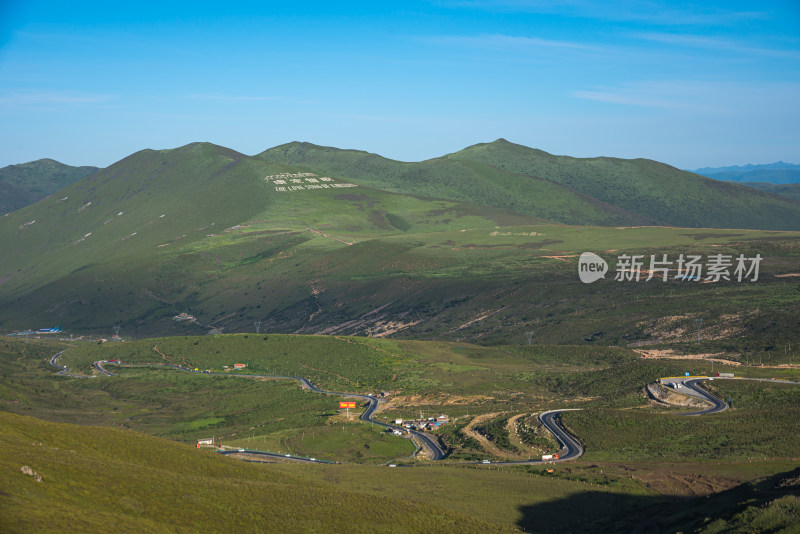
x=712 y=43
x=514 y=43
x=660 y=13
x=45 y=98
x=233 y=98
x=247 y=98
x=728 y=98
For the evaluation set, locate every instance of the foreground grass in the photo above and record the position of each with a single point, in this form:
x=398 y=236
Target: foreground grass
x=627 y=446
x=96 y=477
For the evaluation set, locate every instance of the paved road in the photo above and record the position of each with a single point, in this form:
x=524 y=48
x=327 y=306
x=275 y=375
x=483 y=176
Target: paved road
x=427 y=442
x=690 y=385
x=274 y=455
x=571 y=448
x=717 y=405
x=64 y=371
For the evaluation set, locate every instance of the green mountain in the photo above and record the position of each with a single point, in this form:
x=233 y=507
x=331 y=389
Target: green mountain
x=26 y=183
x=791 y=191
x=604 y=191
x=190 y=230
x=204 y=239
x=667 y=195
x=13 y=197
x=458 y=178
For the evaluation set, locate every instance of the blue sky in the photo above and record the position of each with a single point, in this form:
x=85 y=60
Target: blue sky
x=690 y=84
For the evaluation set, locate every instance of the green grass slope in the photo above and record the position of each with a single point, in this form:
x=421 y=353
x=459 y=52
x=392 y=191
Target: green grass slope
x=124 y=212
x=13 y=197
x=89 y=478
x=791 y=191
x=664 y=194
x=770 y=504
x=466 y=180
x=159 y=485
x=200 y=230
x=24 y=184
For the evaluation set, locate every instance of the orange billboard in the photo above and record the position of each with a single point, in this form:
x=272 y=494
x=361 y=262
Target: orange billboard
x=350 y=404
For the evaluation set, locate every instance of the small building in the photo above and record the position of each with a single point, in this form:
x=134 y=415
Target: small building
x=398 y=421
x=208 y=442
x=239 y=365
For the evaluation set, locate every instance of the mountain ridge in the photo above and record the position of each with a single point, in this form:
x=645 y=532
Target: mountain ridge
x=774 y=173
x=201 y=238
x=23 y=184
x=560 y=188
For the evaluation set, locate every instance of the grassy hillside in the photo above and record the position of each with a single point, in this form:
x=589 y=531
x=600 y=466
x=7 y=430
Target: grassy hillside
x=216 y=216
x=489 y=284
x=664 y=194
x=24 y=184
x=604 y=191
x=791 y=191
x=159 y=485
x=95 y=477
x=205 y=231
x=771 y=504
x=467 y=180
x=13 y=197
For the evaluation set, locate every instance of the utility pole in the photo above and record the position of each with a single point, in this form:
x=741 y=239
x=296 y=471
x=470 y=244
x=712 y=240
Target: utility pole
x=699 y=323
x=258 y=326
x=116 y=332
x=530 y=336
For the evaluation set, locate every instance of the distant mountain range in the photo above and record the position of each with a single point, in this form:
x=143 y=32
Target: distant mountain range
x=26 y=183
x=775 y=173
x=508 y=176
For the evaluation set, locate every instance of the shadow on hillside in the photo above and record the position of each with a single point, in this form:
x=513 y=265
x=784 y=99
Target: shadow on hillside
x=597 y=511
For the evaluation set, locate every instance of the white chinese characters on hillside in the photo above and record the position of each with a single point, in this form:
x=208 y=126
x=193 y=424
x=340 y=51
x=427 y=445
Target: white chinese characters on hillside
x=304 y=181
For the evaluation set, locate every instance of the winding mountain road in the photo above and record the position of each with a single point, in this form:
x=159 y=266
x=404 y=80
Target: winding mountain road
x=426 y=441
x=690 y=385
x=571 y=447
